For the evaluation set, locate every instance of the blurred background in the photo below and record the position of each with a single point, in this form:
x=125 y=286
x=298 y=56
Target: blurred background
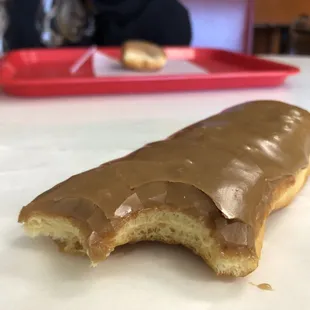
x=248 y=26
x=281 y=26
x=251 y=26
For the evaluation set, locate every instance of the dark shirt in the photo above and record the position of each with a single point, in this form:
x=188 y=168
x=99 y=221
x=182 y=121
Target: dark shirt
x=165 y=22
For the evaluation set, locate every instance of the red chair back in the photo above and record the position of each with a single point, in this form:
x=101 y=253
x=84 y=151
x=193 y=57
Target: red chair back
x=223 y=24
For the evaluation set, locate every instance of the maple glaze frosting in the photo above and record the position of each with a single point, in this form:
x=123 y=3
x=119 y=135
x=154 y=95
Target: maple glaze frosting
x=222 y=169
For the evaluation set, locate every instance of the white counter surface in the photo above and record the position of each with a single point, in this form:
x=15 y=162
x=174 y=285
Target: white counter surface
x=43 y=141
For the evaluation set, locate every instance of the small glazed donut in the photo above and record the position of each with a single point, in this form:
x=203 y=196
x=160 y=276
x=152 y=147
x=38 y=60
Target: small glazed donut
x=143 y=56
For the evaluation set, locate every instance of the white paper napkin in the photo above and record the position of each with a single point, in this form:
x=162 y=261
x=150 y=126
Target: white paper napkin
x=103 y=65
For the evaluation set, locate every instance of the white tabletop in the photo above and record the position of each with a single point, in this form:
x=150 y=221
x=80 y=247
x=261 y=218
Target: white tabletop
x=43 y=141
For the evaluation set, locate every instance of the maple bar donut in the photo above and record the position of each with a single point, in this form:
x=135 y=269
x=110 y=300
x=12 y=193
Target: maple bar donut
x=209 y=187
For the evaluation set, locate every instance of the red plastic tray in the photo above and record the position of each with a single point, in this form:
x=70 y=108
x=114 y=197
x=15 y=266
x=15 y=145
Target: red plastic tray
x=45 y=72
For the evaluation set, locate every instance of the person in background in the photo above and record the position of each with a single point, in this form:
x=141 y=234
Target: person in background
x=3 y=25
x=55 y=23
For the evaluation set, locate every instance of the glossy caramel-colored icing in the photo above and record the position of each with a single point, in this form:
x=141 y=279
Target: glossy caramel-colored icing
x=223 y=169
x=263 y=286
